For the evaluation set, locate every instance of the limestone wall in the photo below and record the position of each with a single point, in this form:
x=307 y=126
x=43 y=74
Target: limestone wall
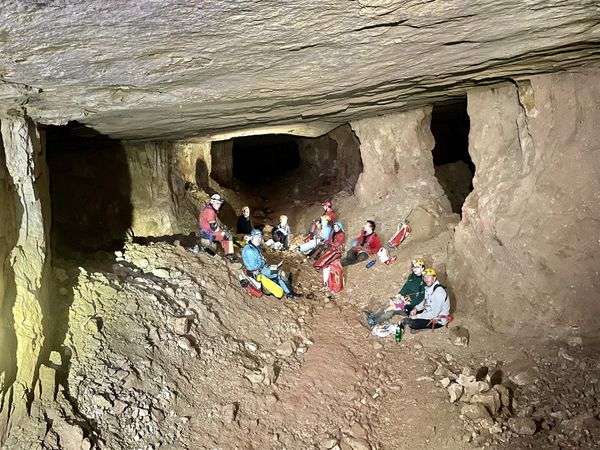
x=24 y=262
x=528 y=247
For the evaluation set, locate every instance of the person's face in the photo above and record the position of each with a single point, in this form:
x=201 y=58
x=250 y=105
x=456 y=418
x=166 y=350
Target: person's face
x=325 y=208
x=246 y=212
x=429 y=279
x=256 y=240
x=283 y=221
x=324 y=222
x=216 y=204
x=367 y=228
x=417 y=270
x=336 y=228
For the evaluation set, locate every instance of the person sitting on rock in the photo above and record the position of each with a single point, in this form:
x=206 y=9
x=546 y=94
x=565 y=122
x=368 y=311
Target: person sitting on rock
x=211 y=228
x=327 y=211
x=367 y=244
x=256 y=265
x=336 y=240
x=325 y=231
x=434 y=311
x=282 y=234
x=411 y=295
x=244 y=223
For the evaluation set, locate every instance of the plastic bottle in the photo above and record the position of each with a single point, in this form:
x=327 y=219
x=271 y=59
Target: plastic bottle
x=371 y=263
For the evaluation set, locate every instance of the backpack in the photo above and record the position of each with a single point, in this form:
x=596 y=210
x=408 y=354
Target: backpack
x=327 y=258
x=333 y=276
x=401 y=234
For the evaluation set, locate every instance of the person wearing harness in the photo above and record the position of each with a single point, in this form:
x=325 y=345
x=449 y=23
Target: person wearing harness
x=434 y=311
x=327 y=211
x=211 y=227
x=367 y=244
x=411 y=294
x=257 y=266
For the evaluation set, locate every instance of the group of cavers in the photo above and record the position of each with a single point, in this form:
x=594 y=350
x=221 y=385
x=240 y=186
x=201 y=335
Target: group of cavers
x=422 y=301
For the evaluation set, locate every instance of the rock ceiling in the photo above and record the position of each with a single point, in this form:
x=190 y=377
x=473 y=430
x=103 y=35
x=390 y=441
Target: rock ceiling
x=174 y=68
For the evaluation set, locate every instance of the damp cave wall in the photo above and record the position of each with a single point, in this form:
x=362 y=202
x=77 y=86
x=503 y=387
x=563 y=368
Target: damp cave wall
x=526 y=254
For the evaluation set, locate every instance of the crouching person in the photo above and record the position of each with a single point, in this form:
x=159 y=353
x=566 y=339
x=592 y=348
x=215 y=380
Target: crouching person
x=324 y=234
x=257 y=267
x=211 y=228
x=434 y=311
x=367 y=244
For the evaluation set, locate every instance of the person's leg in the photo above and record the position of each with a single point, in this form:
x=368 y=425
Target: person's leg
x=350 y=258
x=384 y=313
x=362 y=256
x=308 y=246
x=421 y=324
x=225 y=243
x=270 y=286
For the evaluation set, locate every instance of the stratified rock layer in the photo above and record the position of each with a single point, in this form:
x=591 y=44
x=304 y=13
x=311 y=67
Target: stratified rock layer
x=150 y=69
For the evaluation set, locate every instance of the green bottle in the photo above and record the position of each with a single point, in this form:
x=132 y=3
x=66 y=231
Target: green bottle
x=399 y=331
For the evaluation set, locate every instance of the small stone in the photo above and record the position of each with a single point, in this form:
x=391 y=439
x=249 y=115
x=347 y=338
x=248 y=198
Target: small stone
x=417 y=346
x=286 y=349
x=329 y=443
x=495 y=429
x=521 y=372
x=101 y=401
x=477 y=413
x=177 y=243
x=456 y=391
x=180 y=325
x=489 y=399
x=445 y=382
x=229 y=412
x=523 y=426
x=459 y=336
x=160 y=273
x=251 y=346
x=357 y=443
x=184 y=343
x=504 y=395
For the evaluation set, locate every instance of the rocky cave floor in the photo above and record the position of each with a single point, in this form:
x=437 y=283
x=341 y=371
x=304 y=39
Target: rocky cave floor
x=163 y=349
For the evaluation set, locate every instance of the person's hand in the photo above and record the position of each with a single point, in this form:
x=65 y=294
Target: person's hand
x=413 y=312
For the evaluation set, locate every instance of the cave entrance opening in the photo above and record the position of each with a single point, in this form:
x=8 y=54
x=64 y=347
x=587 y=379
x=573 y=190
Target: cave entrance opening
x=283 y=173
x=454 y=168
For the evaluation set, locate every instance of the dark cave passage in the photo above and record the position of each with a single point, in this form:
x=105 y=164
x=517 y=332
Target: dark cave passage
x=454 y=168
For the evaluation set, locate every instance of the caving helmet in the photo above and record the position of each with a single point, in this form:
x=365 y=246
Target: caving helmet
x=217 y=198
x=430 y=272
x=327 y=203
x=418 y=262
x=255 y=232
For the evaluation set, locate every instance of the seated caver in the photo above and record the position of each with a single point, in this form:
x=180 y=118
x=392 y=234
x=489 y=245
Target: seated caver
x=282 y=233
x=257 y=267
x=327 y=211
x=434 y=311
x=321 y=237
x=211 y=227
x=411 y=294
x=244 y=223
x=367 y=244
x=337 y=240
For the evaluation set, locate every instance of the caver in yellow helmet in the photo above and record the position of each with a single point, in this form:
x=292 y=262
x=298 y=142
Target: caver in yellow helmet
x=418 y=262
x=431 y=272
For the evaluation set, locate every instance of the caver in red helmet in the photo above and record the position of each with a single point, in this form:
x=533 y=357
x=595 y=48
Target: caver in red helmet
x=327 y=203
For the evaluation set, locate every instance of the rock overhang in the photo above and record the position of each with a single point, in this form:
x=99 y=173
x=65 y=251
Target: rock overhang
x=149 y=70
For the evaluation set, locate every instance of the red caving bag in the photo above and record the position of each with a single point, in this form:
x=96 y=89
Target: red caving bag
x=335 y=280
x=327 y=258
x=401 y=234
